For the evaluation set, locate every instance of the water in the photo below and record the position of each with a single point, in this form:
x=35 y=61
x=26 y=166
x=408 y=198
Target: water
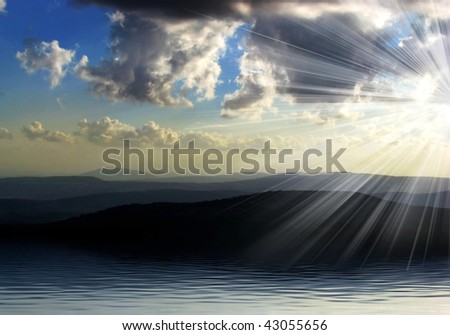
x=55 y=280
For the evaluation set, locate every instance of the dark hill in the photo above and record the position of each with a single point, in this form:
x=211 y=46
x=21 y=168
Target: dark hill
x=22 y=211
x=273 y=226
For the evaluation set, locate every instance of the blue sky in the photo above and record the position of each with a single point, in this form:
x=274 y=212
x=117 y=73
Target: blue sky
x=86 y=30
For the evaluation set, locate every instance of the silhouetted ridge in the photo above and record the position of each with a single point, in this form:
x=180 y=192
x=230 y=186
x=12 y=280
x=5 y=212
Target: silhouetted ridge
x=279 y=226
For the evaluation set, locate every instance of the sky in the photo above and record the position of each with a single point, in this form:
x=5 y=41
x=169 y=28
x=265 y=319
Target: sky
x=79 y=76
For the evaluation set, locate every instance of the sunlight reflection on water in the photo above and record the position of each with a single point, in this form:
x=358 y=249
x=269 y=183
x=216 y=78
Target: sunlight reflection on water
x=44 y=280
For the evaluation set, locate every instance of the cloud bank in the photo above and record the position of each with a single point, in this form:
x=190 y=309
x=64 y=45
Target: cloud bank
x=36 y=131
x=112 y=131
x=108 y=131
x=2 y=6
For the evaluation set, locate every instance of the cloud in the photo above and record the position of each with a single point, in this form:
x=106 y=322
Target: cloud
x=167 y=52
x=298 y=61
x=107 y=131
x=159 y=61
x=36 y=131
x=320 y=57
x=2 y=6
x=5 y=134
x=46 y=56
x=112 y=131
x=376 y=12
x=329 y=114
x=258 y=81
x=60 y=103
x=178 y=9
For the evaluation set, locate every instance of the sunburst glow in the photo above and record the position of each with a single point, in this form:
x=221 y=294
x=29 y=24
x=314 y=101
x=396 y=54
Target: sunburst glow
x=389 y=82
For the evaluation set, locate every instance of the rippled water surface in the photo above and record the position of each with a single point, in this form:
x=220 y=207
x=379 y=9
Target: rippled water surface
x=44 y=280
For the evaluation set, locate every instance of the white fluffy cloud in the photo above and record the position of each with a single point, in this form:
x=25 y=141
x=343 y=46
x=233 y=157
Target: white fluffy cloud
x=46 y=56
x=107 y=131
x=112 y=131
x=5 y=134
x=2 y=5
x=36 y=131
x=160 y=61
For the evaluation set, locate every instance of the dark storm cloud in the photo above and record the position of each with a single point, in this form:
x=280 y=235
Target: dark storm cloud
x=321 y=60
x=175 y=8
x=238 y=9
x=246 y=8
x=311 y=50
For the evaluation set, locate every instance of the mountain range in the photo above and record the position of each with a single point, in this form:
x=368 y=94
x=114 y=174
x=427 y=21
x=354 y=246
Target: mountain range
x=282 y=227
